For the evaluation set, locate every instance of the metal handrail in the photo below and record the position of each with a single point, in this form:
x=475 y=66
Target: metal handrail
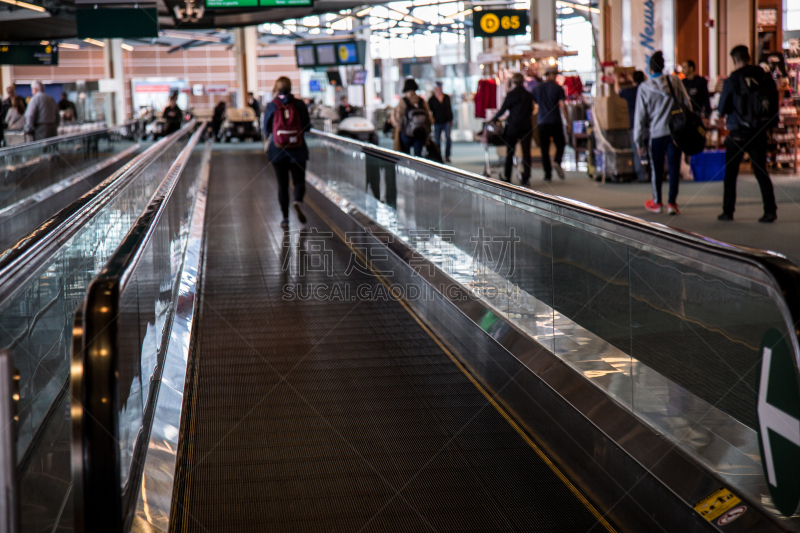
x=776 y=270
x=62 y=138
x=99 y=504
x=23 y=259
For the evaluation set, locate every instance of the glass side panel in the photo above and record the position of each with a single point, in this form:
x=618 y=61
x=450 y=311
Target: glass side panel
x=674 y=339
x=36 y=327
x=25 y=172
x=146 y=304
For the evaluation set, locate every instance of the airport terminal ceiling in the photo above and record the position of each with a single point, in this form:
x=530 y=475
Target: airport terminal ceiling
x=58 y=21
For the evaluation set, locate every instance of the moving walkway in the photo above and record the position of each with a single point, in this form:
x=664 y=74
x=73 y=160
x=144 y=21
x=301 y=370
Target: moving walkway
x=431 y=351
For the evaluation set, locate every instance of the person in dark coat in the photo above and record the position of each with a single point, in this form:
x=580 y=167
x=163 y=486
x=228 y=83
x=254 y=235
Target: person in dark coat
x=218 y=119
x=254 y=103
x=288 y=161
x=549 y=96
x=442 y=111
x=697 y=88
x=345 y=109
x=629 y=95
x=747 y=138
x=173 y=115
x=519 y=104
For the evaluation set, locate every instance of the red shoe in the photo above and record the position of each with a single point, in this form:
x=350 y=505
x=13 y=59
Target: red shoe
x=653 y=207
x=672 y=209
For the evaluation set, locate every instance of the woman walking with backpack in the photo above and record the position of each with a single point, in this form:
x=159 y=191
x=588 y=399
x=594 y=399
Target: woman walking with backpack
x=411 y=120
x=285 y=121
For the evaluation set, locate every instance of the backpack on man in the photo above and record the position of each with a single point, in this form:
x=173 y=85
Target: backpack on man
x=287 y=131
x=416 y=122
x=686 y=127
x=755 y=103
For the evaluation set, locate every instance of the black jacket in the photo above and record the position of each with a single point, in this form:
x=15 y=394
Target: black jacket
x=519 y=103
x=727 y=99
x=442 y=111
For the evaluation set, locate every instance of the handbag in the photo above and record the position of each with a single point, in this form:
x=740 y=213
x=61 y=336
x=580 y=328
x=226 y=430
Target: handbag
x=493 y=132
x=686 y=127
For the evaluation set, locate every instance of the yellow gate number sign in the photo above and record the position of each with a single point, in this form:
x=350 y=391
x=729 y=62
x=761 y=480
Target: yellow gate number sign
x=500 y=22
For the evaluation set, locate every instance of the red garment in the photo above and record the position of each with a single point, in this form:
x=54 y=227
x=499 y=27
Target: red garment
x=485 y=97
x=573 y=85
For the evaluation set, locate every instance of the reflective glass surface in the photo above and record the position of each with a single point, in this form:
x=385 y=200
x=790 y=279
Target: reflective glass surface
x=147 y=305
x=670 y=332
x=29 y=170
x=36 y=327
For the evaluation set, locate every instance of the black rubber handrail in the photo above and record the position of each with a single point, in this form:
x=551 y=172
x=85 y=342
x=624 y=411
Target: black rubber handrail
x=24 y=258
x=100 y=504
x=780 y=272
x=8 y=150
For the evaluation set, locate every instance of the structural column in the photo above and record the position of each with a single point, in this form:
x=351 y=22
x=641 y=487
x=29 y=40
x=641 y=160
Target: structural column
x=115 y=71
x=246 y=48
x=543 y=25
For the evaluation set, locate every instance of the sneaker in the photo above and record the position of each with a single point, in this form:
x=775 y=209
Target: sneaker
x=725 y=217
x=285 y=223
x=559 y=171
x=653 y=207
x=447 y=160
x=768 y=218
x=672 y=209
x=300 y=215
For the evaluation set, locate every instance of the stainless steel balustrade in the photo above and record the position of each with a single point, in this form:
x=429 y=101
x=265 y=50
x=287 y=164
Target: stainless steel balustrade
x=43 y=279
x=668 y=324
x=122 y=335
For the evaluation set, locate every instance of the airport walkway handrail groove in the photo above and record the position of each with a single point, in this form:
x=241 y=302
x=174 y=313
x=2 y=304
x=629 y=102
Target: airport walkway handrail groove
x=24 y=258
x=776 y=269
x=96 y=452
x=9 y=150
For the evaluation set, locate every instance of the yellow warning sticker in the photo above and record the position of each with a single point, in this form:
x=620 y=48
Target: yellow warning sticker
x=715 y=504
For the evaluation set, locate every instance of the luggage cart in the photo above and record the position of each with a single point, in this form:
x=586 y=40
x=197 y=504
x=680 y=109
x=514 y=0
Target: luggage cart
x=610 y=153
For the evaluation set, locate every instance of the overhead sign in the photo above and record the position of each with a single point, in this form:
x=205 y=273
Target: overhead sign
x=111 y=23
x=28 y=54
x=330 y=54
x=228 y=4
x=499 y=22
x=779 y=422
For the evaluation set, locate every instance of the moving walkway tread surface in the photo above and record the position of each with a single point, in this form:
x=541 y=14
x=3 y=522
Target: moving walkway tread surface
x=335 y=415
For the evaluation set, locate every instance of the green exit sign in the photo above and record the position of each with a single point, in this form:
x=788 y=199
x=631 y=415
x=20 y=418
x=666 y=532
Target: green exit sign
x=229 y=4
x=28 y=54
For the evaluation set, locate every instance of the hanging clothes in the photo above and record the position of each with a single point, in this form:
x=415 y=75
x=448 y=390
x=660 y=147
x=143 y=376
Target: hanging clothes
x=485 y=97
x=573 y=86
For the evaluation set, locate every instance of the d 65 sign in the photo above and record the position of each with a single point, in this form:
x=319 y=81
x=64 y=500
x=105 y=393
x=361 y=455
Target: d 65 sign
x=500 y=22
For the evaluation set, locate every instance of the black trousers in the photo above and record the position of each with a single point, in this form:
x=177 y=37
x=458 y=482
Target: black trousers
x=283 y=168
x=511 y=138
x=736 y=144
x=546 y=131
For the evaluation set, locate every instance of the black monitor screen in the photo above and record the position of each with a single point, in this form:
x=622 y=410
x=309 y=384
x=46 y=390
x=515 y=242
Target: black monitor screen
x=348 y=54
x=360 y=77
x=334 y=78
x=326 y=54
x=305 y=56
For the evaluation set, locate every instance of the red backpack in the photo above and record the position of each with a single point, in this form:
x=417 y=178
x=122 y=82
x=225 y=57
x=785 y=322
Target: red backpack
x=287 y=132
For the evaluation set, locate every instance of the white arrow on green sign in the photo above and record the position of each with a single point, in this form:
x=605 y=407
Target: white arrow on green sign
x=779 y=422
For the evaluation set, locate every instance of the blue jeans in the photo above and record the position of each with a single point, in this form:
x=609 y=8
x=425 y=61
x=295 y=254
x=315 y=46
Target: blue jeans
x=437 y=132
x=409 y=142
x=662 y=148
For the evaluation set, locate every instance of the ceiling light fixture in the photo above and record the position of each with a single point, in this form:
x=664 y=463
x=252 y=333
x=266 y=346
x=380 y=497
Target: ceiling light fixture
x=460 y=13
x=127 y=47
x=582 y=7
x=95 y=42
x=191 y=36
x=69 y=46
x=25 y=5
x=364 y=12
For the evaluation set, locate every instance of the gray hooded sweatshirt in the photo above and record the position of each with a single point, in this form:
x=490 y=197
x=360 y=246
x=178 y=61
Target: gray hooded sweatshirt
x=654 y=105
